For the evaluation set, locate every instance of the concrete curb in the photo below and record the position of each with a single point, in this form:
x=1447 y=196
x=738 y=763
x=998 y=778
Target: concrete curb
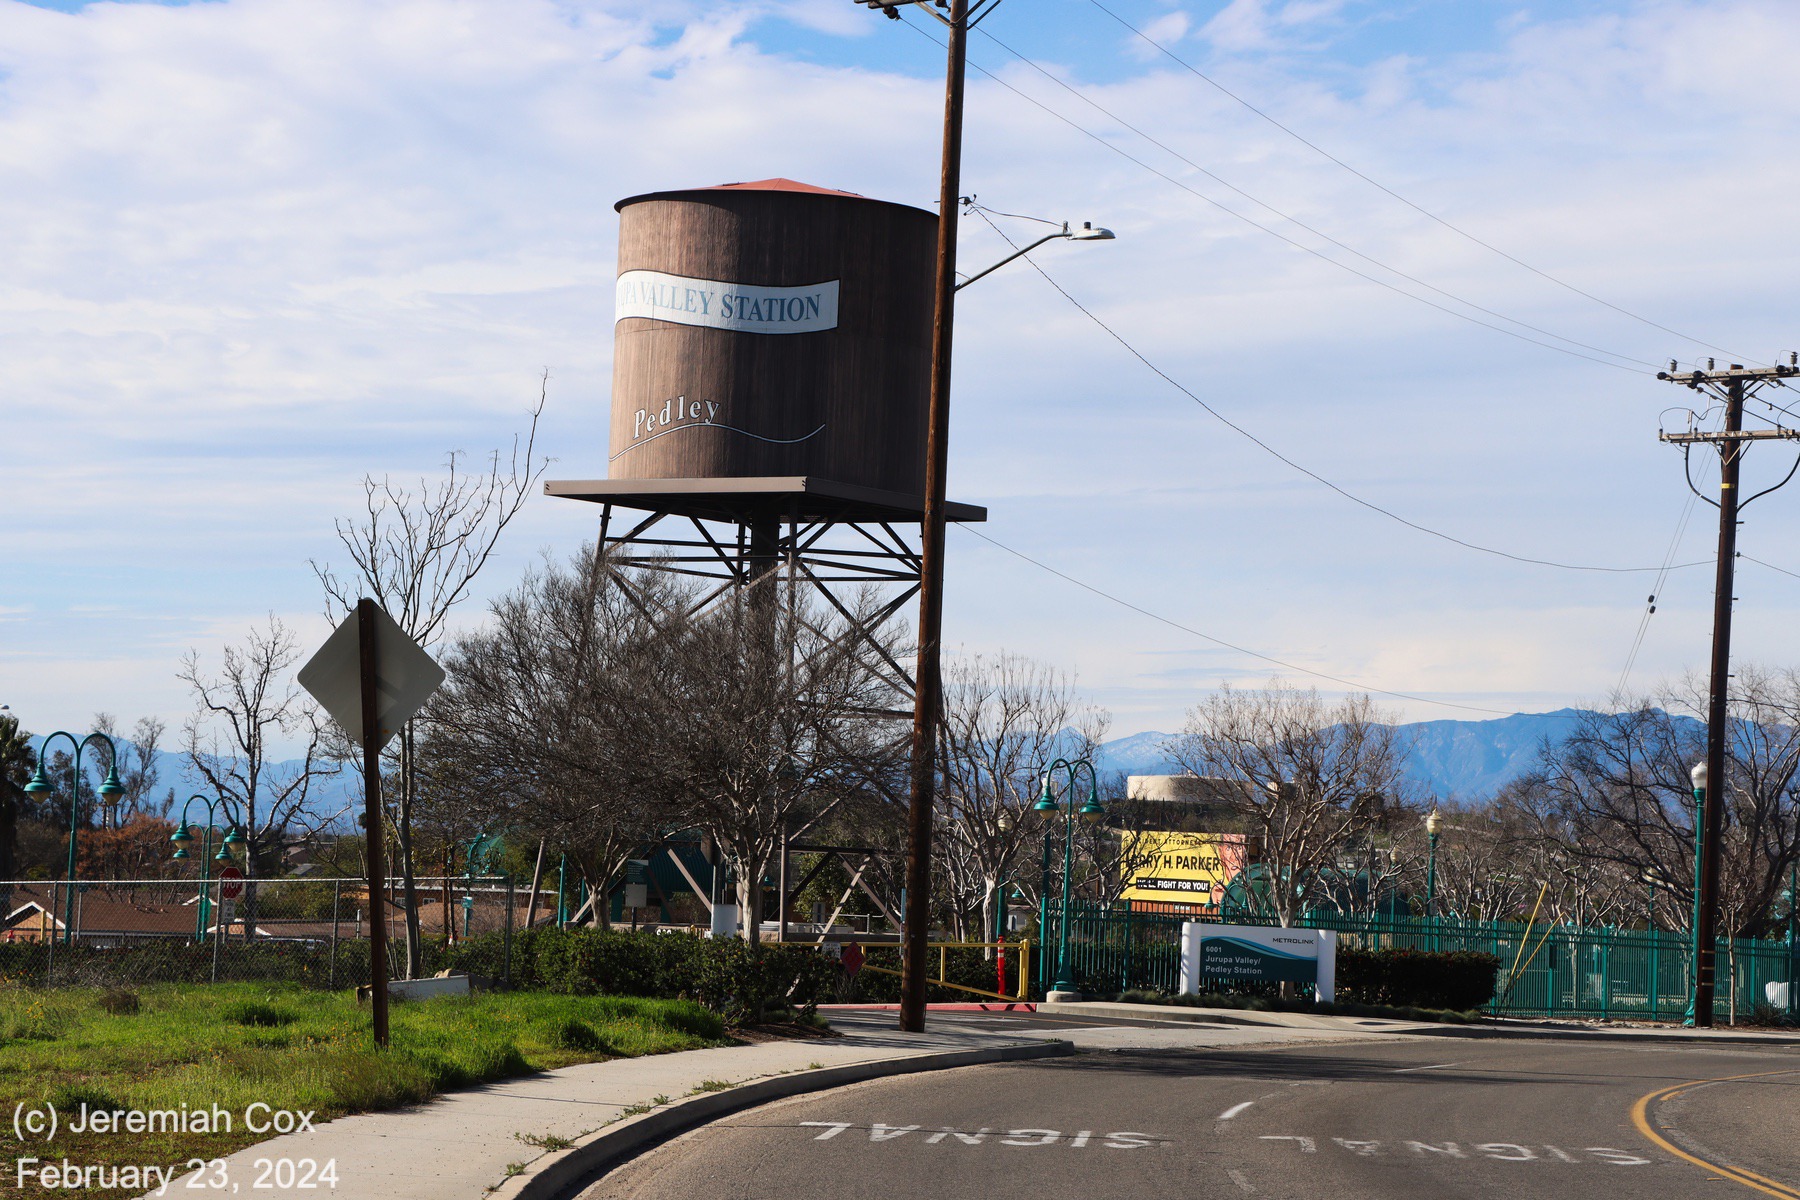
x=552 y=1175
x=1213 y=1016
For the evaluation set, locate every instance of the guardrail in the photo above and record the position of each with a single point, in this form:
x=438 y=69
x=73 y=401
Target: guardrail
x=943 y=948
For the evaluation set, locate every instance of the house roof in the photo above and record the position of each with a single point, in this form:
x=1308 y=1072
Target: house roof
x=101 y=911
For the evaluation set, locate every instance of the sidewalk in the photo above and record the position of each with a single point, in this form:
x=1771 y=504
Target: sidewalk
x=1499 y=1028
x=465 y=1144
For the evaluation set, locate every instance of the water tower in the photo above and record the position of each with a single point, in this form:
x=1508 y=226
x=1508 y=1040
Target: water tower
x=771 y=373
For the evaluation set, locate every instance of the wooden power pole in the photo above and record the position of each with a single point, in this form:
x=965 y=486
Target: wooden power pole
x=1732 y=385
x=962 y=15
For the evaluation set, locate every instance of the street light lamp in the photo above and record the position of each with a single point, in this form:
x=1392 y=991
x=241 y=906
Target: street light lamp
x=109 y=792
x=1089 y=232
x=1092 y=811
x=231 y=844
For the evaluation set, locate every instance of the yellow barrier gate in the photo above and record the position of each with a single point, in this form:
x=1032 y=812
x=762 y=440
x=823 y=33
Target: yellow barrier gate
x=944 y=948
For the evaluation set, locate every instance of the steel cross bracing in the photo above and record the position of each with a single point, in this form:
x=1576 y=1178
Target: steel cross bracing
x=808 y=553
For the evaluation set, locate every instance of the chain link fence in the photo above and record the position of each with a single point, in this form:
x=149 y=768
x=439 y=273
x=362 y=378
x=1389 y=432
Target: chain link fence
x=316 y=932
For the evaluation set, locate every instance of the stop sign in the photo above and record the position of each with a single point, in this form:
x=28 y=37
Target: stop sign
x=231 y=883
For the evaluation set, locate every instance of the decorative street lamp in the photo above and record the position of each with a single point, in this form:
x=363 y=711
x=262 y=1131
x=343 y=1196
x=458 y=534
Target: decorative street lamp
x=468 y=901
x=1698 y=776
x=109 y=792
x=1093 y=812
x=231 y=844
x=1431 y=837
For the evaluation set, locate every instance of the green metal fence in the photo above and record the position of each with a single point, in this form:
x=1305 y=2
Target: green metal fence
x=1604 y=972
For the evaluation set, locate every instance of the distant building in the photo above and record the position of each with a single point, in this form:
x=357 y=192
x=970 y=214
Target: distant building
x=1188 y=801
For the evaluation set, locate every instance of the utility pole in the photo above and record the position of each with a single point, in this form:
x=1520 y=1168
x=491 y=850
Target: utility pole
x=928 y=690
x=1732 y=385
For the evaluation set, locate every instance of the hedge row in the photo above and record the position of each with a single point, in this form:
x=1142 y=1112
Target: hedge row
x=1403 y=978
x=743 y=982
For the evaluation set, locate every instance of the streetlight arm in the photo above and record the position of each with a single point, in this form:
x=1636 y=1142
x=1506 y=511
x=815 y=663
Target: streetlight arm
x=1048 y=237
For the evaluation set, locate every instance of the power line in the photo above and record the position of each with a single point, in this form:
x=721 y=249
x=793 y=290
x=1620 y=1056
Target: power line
x=1141 y=611
x=1316 y=232
x=1301 y=246
x=1377 y=184
x=1759 y=562
x=1637 y=642
x=1308 y=472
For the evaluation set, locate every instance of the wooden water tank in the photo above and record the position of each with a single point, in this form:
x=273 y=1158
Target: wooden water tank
x=772 y=329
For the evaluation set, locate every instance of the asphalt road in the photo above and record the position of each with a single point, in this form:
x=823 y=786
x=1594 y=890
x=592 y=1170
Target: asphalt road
x=1390 y=1119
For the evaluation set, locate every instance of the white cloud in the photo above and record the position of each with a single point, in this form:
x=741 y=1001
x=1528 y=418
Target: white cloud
x=258 y=248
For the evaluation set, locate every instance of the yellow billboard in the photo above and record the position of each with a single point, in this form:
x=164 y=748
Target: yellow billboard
x=1182 y=868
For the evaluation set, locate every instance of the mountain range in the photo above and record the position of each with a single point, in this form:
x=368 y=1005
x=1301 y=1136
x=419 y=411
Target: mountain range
x=1449 y=758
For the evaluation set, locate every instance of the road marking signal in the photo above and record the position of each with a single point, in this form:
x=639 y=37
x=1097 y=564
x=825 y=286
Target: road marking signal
x=879 y=1132
x=1494 y=1151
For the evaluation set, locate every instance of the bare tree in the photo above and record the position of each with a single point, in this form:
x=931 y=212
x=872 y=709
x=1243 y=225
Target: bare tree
x=138 y=767
x=1619 y=784
x=1005 y=719
x=1315 y=775
x=776 y=718
x=549 y=725
x=417 y=551
x=241 y=713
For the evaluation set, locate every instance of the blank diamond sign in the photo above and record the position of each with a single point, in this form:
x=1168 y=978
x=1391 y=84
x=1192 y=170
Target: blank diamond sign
x=405 y=677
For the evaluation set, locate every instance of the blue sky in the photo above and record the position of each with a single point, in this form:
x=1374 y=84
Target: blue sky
x=258 y=248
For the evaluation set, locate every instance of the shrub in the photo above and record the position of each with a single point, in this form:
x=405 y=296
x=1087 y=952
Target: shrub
x=120 y=1002
x=743 y=982
x=1404 y=978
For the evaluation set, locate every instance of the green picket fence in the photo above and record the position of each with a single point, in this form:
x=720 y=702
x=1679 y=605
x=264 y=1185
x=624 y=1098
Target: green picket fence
x=1561 y=970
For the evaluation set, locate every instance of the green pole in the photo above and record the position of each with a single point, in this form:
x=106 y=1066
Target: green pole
x=1431 y=885
x=205 y=877
x=1044 y=915
x=1793 y=934
x=1694 y=963
x=1650 y=988
x=1063 y=982
x=562 y=908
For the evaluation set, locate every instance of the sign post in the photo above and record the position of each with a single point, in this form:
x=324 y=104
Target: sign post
x=1258 y=954
x=371 y=677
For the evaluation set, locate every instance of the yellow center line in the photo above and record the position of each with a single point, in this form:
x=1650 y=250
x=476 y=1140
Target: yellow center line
x=1640 y=1117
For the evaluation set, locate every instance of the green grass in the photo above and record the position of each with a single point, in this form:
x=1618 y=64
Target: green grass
x=295 y=1049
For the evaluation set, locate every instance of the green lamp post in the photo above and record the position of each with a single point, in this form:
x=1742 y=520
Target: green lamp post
x=232 y=843
x=480 y=853
x=1091 y=811
x=1698 y=776
x=1431 y=839
x=109 y=792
